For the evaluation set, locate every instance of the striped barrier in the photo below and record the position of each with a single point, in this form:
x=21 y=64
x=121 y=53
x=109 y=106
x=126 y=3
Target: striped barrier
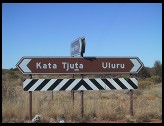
x=79 y=84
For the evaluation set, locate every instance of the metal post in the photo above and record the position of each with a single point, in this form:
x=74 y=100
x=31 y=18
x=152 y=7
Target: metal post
x=82 y=106
x=72 y=94
x=94 y=109
x=52 y=95
x=30 y=102
x=82 y=92
x=131 y=100
x=82 y=102
x=73 y=97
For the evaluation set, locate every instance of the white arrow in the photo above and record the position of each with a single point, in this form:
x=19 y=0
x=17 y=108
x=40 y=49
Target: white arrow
x=23 y=65
x=136 y=65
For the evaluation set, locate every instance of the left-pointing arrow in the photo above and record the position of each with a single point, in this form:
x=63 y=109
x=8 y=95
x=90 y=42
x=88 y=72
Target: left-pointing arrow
x=23 y=65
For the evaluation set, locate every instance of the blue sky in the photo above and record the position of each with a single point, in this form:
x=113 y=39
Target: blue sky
x=110 y=29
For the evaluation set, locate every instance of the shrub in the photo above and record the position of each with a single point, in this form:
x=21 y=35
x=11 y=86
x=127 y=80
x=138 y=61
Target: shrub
x=13 y=75
x=14 y=69
x=156 y=79
x=145 y=84
x=146 y=117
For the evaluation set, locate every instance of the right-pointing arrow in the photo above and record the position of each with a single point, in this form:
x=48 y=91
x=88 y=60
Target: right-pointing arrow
x=23 y=65
x=136 y=66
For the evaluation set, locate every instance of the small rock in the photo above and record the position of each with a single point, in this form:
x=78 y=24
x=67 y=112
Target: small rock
x=36 y=119
x=61 y=121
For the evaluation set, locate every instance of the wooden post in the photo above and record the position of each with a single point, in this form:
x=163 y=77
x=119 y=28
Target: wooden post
x=30 y=102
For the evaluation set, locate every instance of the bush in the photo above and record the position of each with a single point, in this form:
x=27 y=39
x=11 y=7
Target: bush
x=14 y=69
x=145 y=84
x=13 y=74
x=146 y=117
x=156 y=79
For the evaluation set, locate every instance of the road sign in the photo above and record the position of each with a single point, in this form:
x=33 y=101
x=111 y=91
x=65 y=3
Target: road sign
x=79 y=65
x=78 y=47
x=80 y=84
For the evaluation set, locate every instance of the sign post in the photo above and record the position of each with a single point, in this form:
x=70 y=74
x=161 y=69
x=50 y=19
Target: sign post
x=77 y=48
x=82 y=92
x=72 y=95
x=30 y=102
x=131 y=100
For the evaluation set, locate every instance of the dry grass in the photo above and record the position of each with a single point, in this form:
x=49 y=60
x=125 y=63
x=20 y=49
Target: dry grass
x=98 y=105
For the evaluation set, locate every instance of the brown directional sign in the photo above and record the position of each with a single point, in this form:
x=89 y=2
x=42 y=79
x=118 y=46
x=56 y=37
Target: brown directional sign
x=80 y=65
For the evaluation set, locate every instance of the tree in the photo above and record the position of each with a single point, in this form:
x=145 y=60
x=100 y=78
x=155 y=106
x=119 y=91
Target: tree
x=144 y=73
x=158 y=68
x=14 y=69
